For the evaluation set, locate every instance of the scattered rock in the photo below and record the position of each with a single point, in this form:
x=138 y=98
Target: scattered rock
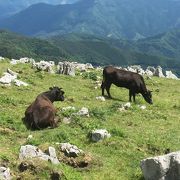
x=99 y=134
x=22 y=60
x=125 y=106
x=29 y=151
x=70 y=150
x=66 y=120
x=101 y=98
x=5 y=173
x=20 y=83
x=30 y=137
x=68 y=108
x=166 y=167
x=7 y=79
x=143 y=107
x=83 y=112
x=158 y=72
x=11 y=76
x=170 y=75
x=44 y=66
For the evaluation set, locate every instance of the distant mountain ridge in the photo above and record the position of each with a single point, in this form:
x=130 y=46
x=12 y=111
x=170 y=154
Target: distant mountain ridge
x=116 y=18
x=9 y=7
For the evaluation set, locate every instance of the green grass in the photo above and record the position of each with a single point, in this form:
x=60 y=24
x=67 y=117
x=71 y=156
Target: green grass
x=136 y=134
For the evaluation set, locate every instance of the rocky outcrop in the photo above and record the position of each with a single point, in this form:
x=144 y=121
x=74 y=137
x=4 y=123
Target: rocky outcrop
x=44 y=66
x=170 y=75
x=10 y=77
x=29 y=151
x=165 y=167
x=66 y=68
x=99 y=135
x=22 y=60
x=158 y=72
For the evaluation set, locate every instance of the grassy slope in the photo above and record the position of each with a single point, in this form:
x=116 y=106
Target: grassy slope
x=136 y=134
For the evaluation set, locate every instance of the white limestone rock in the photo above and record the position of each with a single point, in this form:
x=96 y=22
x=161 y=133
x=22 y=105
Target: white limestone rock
x=66 y=68
x=5 y=173
x=83 y=112
x=29 y=151
x=170 y=75
x=101 y=98
x=166 y=167
x=99 y=135
x=20 y=83
x=125 y=106
x=158 y=72
x=70 y=150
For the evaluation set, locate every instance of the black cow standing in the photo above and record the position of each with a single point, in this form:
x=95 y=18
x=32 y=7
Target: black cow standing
x=130 y=80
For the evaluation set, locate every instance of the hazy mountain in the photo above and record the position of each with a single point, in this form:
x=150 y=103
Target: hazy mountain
x=115 y=18
x=9 y=7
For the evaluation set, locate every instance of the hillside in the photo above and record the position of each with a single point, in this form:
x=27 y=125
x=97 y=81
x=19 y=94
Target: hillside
x=135 y=134
x=82 y=48
x=15 y=46
x=116 y=18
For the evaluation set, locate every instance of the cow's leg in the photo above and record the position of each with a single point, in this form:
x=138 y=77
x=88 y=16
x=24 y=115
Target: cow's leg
x=134 y=96
x=108 y=89
x=103 y=87
x=130 y=95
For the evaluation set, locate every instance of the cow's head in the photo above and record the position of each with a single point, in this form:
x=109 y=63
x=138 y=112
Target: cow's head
x=57 y=93
x=148 y=97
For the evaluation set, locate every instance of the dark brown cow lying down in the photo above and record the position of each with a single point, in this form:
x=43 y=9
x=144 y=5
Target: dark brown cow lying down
x=130 y=80
x=41 y=113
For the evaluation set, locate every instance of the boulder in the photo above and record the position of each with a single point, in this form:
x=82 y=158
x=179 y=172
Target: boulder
x=99 y=135
x=29 y=151
x=158 y=72
x=5 y=173
x=70 y=150
x=66 y=68
x=170 y=75
x=166 y=167
x=7 y=79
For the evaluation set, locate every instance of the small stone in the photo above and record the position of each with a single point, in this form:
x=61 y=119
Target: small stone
x=83 y=112
x=101 y=98
x=66 y=120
